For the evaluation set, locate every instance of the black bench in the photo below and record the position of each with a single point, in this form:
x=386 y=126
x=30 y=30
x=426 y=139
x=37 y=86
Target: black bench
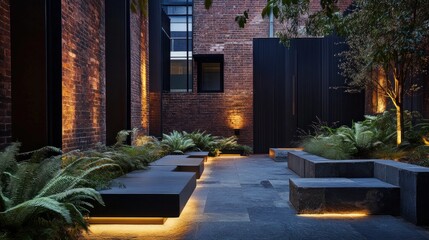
x=183 y=163
x=204 y=155
x=159 y=192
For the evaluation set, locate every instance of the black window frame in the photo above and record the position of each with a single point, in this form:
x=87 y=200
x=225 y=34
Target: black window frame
x=209 y=58
x=189 y=4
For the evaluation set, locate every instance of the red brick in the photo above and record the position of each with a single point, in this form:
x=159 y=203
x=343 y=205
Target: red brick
x=139 y=73
x=83 y=83
x=5 y=79
x=215 y=32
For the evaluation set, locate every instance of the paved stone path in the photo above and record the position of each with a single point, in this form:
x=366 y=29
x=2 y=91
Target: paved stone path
x=247 y=198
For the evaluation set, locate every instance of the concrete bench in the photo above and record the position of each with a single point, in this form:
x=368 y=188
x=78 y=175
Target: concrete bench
x=183 y=163
x=414 y=183
x=159 y=192
x=204 y=155
x=281 y=154
x=324 y=195
x=312 y=166
x=411 y=179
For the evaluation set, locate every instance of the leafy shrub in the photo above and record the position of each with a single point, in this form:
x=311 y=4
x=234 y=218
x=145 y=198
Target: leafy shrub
x=332 y=147
x=202 y=140
x=374 y=137
x=389 y=152
x=176 y=143
x=419 y=154
x=41 y=200
x=180 y=142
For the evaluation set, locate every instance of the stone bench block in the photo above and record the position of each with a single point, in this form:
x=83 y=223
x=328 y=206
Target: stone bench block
x=297 y=159
x=312 y=166
x=203 y=155
x=414 y=183
x=157 y=192
x=281 y=154
x=339 y=168
x=183 y=163
x=339 y=195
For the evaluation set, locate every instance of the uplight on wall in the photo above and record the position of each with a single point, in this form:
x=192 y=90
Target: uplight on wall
x=235 y=119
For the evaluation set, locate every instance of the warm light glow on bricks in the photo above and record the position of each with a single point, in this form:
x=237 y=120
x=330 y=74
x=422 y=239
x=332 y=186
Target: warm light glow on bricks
x=83 y=74
x=144 y=90
x=235 y=119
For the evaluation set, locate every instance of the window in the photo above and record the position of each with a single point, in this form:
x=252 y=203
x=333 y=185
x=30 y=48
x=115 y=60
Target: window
x=179 y=80
x=180 y=14
x=210 y=73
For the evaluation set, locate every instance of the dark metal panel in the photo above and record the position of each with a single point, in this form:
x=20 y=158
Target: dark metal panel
x=308 y=72
x=36 y=73
x=156 y=65
x=165 y=51
x=272 y=95
x=295 y=86
x=54 y=73
x=117 y=68
x=340 y=107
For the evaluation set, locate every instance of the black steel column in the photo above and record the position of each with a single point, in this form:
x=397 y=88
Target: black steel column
x=118 y=70
x=36 y=73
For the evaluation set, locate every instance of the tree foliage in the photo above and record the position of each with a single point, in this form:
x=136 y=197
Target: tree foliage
x=389 y=37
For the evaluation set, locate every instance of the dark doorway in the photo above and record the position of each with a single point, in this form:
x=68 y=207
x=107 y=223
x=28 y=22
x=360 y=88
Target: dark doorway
x=297 y=86
x=36 y=73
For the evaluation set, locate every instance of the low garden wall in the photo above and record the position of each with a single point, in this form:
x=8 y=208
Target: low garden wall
x=412 y=179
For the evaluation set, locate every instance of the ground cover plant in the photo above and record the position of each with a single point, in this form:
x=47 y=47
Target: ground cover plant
x=41 y=199
x=180 y=142
x=374 y=137
x=47 y=194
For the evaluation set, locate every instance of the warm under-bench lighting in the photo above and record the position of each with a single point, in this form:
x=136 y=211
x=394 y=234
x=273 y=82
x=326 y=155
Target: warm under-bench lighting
x=126 y=220
x=335 y=215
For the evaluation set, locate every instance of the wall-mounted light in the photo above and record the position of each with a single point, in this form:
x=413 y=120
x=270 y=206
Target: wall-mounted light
x=237 y=132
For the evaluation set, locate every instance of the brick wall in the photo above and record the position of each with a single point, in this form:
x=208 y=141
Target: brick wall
x=83 y=83
x=139 y=73
x=215 y=32
x=5 y=72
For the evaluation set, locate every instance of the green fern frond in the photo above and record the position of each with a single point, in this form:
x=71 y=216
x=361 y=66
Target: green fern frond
x=8 y=162
x=27 y=210
x=41 y=154
x=175 y=141
x=74 y=194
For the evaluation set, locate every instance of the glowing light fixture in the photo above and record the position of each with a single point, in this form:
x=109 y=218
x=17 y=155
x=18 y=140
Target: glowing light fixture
x=335 y=215
x=235 y=119
x=126 y=220
x=425 y=141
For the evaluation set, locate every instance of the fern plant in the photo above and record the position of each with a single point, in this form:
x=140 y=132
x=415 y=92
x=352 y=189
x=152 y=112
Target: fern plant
x=176 y=143
x=202 y=140
x=40 y=199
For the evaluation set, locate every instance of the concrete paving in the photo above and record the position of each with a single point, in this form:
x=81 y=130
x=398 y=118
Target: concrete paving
x=248 y=198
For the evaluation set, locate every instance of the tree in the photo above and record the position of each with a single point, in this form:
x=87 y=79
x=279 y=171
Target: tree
x=387 y=36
